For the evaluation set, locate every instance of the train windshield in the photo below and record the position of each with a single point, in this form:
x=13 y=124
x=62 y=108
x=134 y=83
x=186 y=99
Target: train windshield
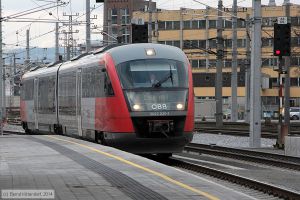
x=153 y=73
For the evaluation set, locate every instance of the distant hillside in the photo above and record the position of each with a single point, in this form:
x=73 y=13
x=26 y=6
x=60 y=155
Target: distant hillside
x=41 y=54
x=47 y=55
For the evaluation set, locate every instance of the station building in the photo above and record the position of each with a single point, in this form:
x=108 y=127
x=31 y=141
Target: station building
x=197 y=33
x=117 y=18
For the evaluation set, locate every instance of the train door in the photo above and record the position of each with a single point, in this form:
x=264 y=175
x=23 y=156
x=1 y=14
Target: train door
x=35 y=102
x=78 y=101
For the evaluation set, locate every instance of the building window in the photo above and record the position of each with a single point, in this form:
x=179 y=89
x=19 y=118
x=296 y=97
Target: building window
x=114 y=16
x=169 y=42
x=295 y=41
x=125 y=16
x=202 y=24
x=125 y=35
x=267 y=42
x=202 y=44
x=169 y=25
x=114 y=12
x=241 y=23
x=241 y=61
x=161 y=25
x=293 y=102
x=114 y=30
x=273 y=82
x=227 y=24
x=176 y=25
x=194 y=44
x=176 y=43
x=212 y=63
x=241 y=43
x=228 y=43
x=187 y=25
x=212 y=44
x=269 y=62
x=212 y=24
x=269 y=100
x=195 y=24
x=295 y=61
x=198 y=63
x=227 y=63
x=295 y=82
x=268 y=21
x=202 y=63
x=195 y=64
x=187 y=44
x=295 y=21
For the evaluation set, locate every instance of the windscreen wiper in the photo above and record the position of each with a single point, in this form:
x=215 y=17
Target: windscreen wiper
x=170 y=76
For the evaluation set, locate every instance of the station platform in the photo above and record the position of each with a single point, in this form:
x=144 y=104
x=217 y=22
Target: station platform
x=78 y=169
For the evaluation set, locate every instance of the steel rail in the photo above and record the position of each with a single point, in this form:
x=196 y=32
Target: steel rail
x=276 y=160
x=242 y=129
x=234 y=132
x=247 y=182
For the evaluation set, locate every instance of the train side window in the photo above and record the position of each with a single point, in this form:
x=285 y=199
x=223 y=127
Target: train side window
x=27 y=90
x=46 y=96
x=108 y=89
x=92 y=81
x=22 y=88
x=67 y=93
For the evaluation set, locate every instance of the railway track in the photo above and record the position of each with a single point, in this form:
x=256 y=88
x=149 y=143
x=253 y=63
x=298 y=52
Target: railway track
x=286 y=162
x=266 y=188
x=235 y=132
x=269 y=130
x=276 y=160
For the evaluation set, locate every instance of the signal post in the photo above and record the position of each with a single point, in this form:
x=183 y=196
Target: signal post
x=282 y=47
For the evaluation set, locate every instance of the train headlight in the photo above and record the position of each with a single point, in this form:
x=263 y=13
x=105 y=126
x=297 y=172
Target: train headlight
x=136 y=107
x=150 y=52
x=179 y=106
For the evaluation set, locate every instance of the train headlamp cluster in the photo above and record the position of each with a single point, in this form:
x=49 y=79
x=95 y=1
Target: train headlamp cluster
x=179 y=106
x=136 y=107
x=150 y=52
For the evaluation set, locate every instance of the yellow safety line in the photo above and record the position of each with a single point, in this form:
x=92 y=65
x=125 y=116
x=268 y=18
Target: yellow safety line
x=167 y=178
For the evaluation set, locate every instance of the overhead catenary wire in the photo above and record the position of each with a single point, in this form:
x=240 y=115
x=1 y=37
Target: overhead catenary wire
x=42 y=20
x=30 y=11
x=28 y=25
x=34 y=1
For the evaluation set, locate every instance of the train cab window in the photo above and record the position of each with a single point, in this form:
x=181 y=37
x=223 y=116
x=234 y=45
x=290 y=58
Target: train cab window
x=153 y=73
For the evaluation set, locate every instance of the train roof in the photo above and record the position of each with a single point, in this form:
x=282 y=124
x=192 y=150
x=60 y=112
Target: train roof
x=129 y=52
x=42 y=71
x=120 y=53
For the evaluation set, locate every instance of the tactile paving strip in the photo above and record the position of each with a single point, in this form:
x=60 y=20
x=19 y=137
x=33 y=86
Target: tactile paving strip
x=127 y=185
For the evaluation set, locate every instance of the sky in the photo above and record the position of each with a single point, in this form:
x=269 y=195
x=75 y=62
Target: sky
x=42 y=35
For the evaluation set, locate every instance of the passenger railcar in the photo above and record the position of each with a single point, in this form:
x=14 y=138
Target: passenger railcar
x=136 y=97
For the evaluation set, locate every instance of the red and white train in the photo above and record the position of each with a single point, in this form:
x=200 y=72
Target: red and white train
x=136 y=97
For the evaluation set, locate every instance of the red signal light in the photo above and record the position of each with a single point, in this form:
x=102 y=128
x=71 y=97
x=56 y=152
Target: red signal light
x=277 y=52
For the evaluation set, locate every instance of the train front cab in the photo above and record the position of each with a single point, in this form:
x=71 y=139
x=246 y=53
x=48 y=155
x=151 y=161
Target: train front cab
x=159 y=114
